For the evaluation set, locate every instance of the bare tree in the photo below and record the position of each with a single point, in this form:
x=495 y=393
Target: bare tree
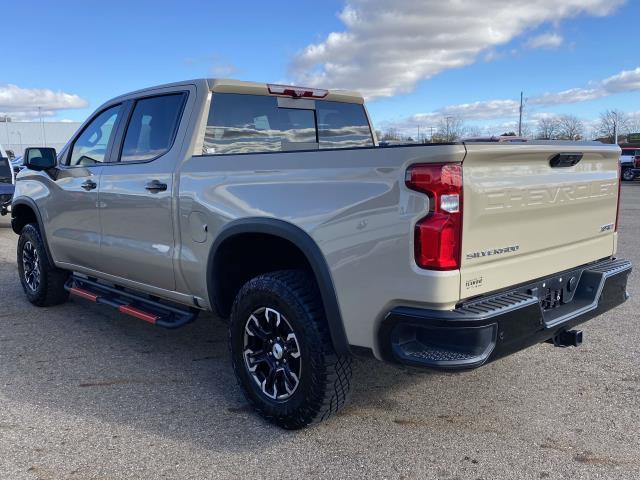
x=450 y=129
x=526 y=130
x=391 y=134
x=570 y=127
x=610 y=120
x=548 y=128
x=473 y=132
x=633 y=125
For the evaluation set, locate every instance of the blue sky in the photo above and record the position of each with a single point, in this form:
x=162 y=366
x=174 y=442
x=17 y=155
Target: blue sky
x=416 y=64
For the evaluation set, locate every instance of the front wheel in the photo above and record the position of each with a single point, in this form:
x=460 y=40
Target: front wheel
x=282 y=352
x=42 y=283
x=628 y=175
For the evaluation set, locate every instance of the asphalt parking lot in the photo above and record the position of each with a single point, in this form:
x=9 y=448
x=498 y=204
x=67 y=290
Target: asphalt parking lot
x=86 y=393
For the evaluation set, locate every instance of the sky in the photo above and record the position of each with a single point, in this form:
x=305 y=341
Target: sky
x=416 y=61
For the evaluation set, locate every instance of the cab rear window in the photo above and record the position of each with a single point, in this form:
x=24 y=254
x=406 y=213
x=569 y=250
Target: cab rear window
x=240 y=123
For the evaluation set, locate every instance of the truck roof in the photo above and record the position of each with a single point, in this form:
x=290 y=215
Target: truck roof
x=223 y=85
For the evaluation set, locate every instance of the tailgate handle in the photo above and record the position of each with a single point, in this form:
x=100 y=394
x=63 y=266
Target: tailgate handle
x=565 y=159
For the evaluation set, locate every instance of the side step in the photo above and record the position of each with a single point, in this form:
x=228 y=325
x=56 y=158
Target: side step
x=141 y=306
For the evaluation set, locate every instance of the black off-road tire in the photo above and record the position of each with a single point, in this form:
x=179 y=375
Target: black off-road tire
x=50 y=287
x=628 y=175
x=325 y=376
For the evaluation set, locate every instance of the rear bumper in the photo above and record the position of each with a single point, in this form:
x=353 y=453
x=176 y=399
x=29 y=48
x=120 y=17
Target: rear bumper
x=493 y=326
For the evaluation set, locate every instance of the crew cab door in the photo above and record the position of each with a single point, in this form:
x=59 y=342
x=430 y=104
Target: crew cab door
x=70 y=212
x=135 y=199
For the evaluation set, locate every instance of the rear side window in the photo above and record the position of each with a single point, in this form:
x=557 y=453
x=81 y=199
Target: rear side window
x=253 y=123
x=342 y=125
x=152 y=127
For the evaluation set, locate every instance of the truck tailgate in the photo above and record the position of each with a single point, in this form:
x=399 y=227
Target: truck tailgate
x=525 y=219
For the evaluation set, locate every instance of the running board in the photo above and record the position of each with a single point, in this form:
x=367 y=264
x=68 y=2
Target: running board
x=140 y=306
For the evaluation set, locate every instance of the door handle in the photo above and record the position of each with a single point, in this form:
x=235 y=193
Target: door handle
x=89 y=185
x=155 y=186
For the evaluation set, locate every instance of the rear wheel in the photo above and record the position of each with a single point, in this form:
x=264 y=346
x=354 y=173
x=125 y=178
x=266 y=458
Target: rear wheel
x=628 y=175
x=42 y=283
x=282 y=352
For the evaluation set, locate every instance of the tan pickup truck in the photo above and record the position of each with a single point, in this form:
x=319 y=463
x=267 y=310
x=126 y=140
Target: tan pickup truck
x=276 y=208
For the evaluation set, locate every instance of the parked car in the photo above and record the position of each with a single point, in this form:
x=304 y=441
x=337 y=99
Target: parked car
x=7 y=181
x=273 y=206
x=17 y=164
x=630 y=163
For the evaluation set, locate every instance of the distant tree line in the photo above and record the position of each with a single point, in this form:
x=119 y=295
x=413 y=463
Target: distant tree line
x=548 y=127
x=560 y=127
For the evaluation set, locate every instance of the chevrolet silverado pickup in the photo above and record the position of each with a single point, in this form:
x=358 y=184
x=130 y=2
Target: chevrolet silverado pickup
x=274 y=207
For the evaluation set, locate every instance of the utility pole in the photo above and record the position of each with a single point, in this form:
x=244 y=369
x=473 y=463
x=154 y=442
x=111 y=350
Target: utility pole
x=44 y=138
x=431 y=137
x=419 y=134
x=520 y=119
x=615 y=128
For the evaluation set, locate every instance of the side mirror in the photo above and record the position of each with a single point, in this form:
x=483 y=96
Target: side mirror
x=40 y=158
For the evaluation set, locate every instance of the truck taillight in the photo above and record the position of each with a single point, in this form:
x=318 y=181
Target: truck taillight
x=438 y=236
x=636 y=161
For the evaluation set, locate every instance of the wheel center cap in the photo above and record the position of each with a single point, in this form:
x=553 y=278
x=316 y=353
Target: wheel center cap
x=277 y=351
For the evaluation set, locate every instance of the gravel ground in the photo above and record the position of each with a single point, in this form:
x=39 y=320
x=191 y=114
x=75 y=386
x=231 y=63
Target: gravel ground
x=88 y=394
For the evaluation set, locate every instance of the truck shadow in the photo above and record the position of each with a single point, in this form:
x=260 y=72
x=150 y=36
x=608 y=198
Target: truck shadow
x=84 y=360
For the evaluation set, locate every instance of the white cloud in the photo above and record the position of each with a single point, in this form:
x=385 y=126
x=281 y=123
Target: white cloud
x=545 y=40
x=386 y=48
x=484 y=110
x=505 y=109
x=22 y=103
x=217 y=66
x=625 y=81
x=221 y=70
x=573 y=95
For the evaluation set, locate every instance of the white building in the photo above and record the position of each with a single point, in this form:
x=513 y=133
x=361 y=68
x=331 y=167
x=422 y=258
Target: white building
x=17 y=136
